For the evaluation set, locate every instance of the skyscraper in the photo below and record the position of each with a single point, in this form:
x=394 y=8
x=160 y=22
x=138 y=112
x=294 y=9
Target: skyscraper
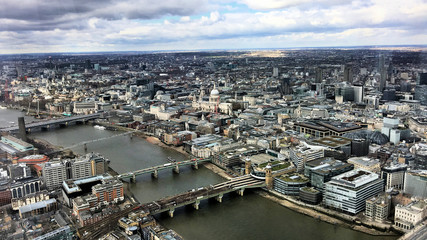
x=319 y=75
x=382 y=71
x=348 y=73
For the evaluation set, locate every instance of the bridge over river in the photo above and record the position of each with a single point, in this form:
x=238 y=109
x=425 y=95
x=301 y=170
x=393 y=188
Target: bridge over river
x=53 y=123
x=169 y=204
x=155 y=170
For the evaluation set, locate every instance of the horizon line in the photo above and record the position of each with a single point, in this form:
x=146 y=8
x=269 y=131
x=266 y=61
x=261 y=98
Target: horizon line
x=372 y=47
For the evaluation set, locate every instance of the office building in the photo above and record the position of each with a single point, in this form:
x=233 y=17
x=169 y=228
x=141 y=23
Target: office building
x=416 y=183
x=302 y=154
x=322 y=170
x=394 y=176
x=310 y=195
x=349 y=191
x=368 y=164
x=358 y=94
x=348 y=73
x=319 y=75
x=290 y=184
x=382 y=72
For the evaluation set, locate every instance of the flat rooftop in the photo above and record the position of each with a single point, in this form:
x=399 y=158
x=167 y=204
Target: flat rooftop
x=333 y=141
x=355 y=178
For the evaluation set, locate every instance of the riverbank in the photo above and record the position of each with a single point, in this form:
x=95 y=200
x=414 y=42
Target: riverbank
x=342 y=220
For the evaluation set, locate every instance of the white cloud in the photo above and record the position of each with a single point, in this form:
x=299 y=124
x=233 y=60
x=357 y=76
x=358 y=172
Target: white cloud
x=325 y=24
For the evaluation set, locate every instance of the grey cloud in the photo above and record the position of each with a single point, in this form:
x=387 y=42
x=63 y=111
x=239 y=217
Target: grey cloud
x=41 y=15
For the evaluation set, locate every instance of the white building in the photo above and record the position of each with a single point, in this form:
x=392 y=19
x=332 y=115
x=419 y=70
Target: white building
x=406 y=217
x=349 y=191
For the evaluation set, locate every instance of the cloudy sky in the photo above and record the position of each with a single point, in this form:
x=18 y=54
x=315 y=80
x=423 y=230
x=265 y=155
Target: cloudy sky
x=113 y=25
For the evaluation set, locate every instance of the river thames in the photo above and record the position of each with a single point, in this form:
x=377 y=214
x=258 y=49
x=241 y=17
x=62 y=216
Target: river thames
x=247 y=217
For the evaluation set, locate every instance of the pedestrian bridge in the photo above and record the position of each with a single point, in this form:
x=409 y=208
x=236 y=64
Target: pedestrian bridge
x=193 y=197
x=155 y=170
x=53 y=123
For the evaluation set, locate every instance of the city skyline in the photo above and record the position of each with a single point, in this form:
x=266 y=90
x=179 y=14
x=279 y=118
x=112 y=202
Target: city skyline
x=77 y=26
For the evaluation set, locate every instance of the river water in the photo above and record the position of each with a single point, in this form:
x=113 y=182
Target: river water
x=247 y=217
x=9 y=117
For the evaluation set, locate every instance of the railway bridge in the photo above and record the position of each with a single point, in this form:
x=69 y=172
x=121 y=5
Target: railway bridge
x=193 y=197
x=169 y=204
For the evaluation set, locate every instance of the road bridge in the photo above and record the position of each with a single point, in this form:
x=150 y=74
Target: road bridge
x=155 y=170
x=53 y=123
x=193 y=197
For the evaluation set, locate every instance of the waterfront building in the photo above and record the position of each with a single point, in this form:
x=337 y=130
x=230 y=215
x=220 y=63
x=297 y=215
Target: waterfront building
x=322 y=170
x=416 y=183
x=290 y=184
x=394 y=175
x=368 y=164
x=378 y=208
x=84 y=107
x=407 y=217
x=17 y=143
x=310 y=195
x=54 y=173
x=347 y=192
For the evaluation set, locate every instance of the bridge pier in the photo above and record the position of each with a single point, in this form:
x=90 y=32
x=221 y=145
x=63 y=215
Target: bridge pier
x=176 y=169
x=171 y=212
x=155 y=174
x=219 y=198
x=196 y=205
x=195 y=165
x=133 y=178
x=241 y=191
